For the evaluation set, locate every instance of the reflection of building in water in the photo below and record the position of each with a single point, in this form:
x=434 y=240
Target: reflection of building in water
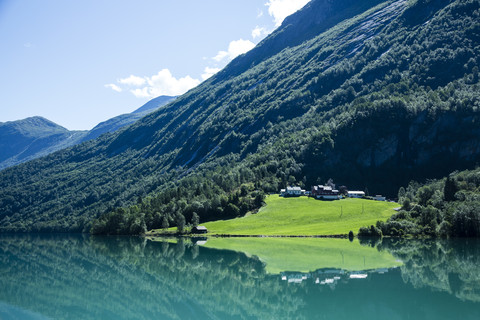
x=358 y=276
x=381 y=270
x=199 y=241
x=291 y=277
x=328 y=276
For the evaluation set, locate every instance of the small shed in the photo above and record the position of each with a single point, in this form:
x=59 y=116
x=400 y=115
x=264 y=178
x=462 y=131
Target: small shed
x=199 y=229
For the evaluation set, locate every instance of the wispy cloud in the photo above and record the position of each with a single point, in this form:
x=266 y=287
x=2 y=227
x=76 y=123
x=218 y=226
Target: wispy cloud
x=280 y=9
x=133 y=81
x=114 y=87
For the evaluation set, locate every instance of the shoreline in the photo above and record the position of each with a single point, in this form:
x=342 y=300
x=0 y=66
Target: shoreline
x=204 y=235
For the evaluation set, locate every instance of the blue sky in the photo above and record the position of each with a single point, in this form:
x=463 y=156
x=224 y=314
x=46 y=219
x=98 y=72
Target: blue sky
x=78 y=63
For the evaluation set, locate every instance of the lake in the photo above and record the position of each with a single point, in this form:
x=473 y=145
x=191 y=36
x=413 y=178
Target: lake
x=84 y=277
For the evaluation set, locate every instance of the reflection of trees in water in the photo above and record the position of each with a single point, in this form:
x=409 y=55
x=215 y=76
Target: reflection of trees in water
x=78 y=277
x=132 y=278
x=452 y=266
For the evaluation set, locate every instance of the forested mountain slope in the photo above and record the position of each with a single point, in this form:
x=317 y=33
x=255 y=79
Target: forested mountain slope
x=381 y=97
x=35 y=137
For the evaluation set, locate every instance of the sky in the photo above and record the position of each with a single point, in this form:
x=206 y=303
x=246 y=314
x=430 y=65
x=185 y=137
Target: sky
x=78 y=63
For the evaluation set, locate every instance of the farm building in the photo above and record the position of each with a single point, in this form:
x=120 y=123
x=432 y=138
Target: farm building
x=292 y=192
x=356 y=194
x=325 y=193
x=199 y=229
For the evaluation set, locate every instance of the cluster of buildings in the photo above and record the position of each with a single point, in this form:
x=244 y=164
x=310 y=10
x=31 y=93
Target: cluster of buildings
x=325 y=192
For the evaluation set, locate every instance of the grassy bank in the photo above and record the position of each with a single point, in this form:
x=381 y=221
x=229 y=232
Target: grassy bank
x=305 y=216
x=307 y=254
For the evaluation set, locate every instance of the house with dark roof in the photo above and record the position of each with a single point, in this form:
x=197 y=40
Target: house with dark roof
x=325 y=193
x=199 y=229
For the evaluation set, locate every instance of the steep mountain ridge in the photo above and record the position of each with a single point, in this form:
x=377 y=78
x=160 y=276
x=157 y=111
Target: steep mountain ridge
x=338 y=105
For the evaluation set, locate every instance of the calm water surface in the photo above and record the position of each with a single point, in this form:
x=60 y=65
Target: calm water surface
x=81 y=277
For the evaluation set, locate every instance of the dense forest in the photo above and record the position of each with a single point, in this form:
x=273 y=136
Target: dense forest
x=380 y=94
x=449 y=207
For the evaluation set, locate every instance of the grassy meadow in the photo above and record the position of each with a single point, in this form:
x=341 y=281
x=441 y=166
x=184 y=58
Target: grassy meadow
x=305 y=216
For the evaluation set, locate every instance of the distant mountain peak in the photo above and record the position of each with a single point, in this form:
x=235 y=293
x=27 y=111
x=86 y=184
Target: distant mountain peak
x=155 y=103
x=34 y=137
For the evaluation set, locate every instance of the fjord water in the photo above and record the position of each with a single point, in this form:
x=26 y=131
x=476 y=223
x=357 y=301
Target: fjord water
x=82 y=277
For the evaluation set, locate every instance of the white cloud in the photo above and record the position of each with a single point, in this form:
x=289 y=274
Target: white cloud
x=114 y=87
x=141 y=93
x=162 y=83
x=259 y=32
x=220 y=56
x=235 y=48
x=133 y=81
x=208 y=72
x=280 y=9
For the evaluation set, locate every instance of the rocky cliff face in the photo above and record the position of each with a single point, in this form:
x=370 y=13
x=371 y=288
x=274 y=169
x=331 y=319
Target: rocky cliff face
x=388 y=151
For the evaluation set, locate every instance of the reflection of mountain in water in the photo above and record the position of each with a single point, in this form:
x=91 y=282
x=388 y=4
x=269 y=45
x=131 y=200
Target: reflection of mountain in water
x=65 y=277
x=79 y=277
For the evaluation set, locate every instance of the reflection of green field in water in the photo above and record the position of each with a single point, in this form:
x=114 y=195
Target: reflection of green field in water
x=308 y=254
x=306 y=216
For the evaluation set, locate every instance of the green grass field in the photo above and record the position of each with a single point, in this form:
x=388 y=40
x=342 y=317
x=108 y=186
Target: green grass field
x=307 y=254
x=305 y=216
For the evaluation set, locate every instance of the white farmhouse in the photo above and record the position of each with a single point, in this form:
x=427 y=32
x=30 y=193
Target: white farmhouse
x=292 y=192
x=356 y=194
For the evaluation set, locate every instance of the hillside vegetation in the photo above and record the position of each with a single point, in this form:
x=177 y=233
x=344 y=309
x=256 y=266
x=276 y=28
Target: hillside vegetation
x=448 y=207
x=377 y=94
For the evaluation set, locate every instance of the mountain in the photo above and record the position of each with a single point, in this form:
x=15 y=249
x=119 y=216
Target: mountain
x=31 y=138
x=379 y=94
x=153 y=104
x=35 y=137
